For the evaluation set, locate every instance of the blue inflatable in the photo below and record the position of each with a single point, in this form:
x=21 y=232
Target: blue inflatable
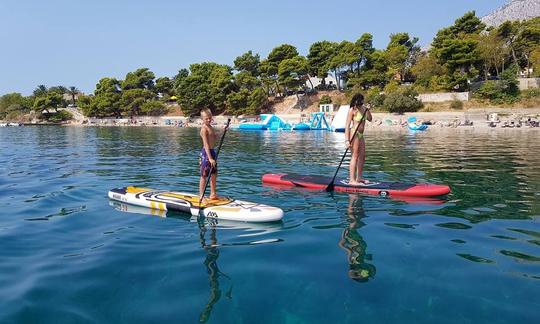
x=301 y=126
x=412 y=124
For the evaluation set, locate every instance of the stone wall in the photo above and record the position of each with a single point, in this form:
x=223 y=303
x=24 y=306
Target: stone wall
x=444 y=96
x=528 y=83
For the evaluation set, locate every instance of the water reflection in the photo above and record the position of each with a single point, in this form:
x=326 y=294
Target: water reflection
x=208 y=238
x=212 y=269
x=353 y=243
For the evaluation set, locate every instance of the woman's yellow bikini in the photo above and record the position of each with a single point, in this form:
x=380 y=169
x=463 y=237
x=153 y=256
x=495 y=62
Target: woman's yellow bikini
x=358 y=117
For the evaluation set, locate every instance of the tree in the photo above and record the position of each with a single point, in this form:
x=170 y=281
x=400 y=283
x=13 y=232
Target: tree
x=256 y=101
x=509 y=31
x=246 y=80
x=61 y=90
x=139 y=79
x=51 y=100
x=365 y=47
x=106 y=101
x=207 y=85
x=269 y=77
x=280 y=53
x=73 y=92
x=132 y=101
x=154 y=108
x=455 y=48
x=181 y=75
x=528 y=41
x=40 y=90
x=505 y=90
x=401 y=54
x=14 y=104
x=425 y=69
x=292 y=72
x=343 y=58
x=269 y=67
x=164 y=86
x=535 y=60
x=492 y=52
x=237 y=102
x=248 y=62
x=373 y=72
x=318 y=57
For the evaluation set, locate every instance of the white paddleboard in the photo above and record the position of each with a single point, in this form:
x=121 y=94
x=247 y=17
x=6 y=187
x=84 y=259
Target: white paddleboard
x=220 y=208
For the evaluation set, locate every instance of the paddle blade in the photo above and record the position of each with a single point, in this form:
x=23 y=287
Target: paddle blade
x=330 y=187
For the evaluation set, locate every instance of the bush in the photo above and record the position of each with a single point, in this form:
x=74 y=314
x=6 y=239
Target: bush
x=456 y=104
x=59 y=116
x=375 y=97
x=505 y=90
x=530 y=93
x=402 y=100
x=325 y=100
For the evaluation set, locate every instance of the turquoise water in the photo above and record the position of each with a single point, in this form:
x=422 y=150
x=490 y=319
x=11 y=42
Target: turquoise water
x=68 y=256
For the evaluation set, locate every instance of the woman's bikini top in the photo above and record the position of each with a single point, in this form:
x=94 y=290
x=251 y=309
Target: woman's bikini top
x=358 y=116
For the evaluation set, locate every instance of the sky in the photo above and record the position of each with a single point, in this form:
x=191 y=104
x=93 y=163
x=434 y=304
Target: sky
x=76 y=43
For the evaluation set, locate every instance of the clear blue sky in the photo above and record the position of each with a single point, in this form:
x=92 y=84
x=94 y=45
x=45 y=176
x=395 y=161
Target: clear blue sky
x=75 y=43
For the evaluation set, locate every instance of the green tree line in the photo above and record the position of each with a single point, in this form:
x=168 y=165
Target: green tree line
x=459 y=55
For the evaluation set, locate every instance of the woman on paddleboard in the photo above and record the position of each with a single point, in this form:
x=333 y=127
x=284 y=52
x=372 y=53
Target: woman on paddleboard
x=354 y=138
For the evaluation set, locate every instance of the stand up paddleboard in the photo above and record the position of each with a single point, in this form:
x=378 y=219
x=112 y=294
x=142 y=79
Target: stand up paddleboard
x=375 y=188
x=220 y=208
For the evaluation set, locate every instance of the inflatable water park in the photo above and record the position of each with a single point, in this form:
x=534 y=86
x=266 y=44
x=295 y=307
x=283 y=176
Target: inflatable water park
x=273 y=122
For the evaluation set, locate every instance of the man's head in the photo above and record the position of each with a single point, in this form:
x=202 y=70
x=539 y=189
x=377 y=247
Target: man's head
x=206 y=116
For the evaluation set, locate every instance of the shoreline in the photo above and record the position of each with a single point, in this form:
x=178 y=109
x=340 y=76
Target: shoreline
x=477 y=118
x=480 y=118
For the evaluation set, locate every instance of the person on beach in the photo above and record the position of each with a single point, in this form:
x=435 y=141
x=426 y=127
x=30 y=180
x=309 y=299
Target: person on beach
x=207 y=157
x=356 y=118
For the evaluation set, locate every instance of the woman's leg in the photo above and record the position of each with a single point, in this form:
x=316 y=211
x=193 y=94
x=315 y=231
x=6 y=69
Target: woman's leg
x=361 y=160
x=355 y=147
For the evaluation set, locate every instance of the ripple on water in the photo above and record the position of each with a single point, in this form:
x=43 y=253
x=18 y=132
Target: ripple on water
x=381 y=259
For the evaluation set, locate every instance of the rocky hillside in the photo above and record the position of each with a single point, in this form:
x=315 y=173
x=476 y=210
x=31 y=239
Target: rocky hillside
x=514 y=10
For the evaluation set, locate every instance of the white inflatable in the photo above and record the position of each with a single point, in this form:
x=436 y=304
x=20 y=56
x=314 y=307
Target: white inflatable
x=338 y=123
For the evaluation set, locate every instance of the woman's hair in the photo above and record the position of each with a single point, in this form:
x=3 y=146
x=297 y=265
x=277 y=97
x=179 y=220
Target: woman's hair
x=357 y=100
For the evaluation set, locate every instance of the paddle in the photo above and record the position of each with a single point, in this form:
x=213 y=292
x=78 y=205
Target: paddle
x=330 y=186
x=211 y=168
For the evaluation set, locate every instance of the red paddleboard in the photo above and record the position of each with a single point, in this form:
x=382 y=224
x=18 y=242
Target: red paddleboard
x=392 y=189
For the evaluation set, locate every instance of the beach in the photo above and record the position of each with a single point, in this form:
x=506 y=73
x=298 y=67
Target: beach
x=480 y=118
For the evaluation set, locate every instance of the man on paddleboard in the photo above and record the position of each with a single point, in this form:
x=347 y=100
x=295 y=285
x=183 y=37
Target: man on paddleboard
x=207 y=157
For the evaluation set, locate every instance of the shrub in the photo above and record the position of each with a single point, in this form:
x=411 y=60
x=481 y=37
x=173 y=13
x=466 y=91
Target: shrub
x=531 y=93
x=58 y=116
x=325 y=100
x=505 y=90
x=402 y=100
x=375 y=97
x=456 y=104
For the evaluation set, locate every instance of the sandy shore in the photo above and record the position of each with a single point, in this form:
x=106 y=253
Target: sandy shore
x=489 y=118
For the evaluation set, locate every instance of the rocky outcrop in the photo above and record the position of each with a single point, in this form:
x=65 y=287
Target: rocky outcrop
x=514 y=10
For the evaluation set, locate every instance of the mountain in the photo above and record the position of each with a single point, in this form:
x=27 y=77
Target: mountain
x=514 y=10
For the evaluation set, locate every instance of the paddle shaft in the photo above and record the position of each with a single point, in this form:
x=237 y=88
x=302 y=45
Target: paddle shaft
x=212 y=167
x=330 y=186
